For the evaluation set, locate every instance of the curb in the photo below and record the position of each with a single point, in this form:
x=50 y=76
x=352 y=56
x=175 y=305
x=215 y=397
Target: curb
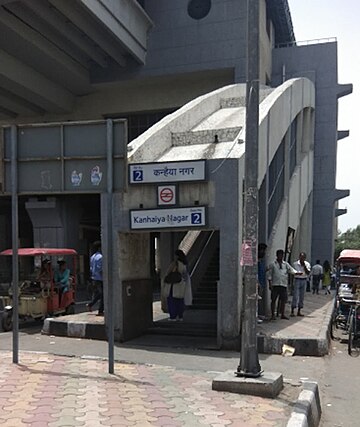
x=318 y=347
x=303 y=346
x=307 y=409
x=74 y=329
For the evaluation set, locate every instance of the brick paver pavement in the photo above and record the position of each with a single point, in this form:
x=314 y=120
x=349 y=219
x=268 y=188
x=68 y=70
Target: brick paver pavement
x=54 y=391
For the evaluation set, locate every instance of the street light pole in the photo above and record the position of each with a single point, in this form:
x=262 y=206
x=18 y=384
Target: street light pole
x=249 y=361
x=109 y=240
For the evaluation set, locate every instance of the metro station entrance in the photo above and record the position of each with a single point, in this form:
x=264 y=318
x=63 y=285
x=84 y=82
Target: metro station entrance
x=200 y=316
x=78 y=186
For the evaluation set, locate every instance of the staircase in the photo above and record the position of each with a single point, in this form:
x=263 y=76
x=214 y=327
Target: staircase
x=205 y=296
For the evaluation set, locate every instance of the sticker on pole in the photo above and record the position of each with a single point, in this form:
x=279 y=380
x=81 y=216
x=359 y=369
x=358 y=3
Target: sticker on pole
x=246 y=254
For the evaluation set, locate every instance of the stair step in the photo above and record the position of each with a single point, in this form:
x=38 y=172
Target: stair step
x=208 y=285
x=204 y=307
x=210 y=277
x=206 y=291
x=205 y=286
x=205 y=296
x=204 y=301
x=177 y=328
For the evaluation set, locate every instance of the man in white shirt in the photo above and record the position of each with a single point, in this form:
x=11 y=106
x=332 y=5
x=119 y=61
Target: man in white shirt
x=316 y=274
x=304 y=269
x=278 y=281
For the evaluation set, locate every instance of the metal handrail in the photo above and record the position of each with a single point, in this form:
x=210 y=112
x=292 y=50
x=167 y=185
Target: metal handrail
x=306 y=42
x=203 y=250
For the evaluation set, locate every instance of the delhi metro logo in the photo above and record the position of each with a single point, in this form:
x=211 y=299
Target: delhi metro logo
x=166 y=195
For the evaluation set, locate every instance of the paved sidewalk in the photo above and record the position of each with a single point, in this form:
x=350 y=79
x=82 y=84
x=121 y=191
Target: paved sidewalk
x=309 y=335
x=168 y=385
x=45 y=390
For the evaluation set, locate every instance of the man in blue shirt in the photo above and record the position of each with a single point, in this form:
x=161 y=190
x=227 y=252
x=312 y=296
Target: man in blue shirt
x=96 y=272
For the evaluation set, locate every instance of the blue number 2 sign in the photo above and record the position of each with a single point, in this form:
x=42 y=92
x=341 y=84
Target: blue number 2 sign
x=138 y=175
x=196 y=219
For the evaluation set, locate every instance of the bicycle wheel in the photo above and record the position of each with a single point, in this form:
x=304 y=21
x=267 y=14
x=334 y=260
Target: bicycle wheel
x=337 y=324
x=353 y=342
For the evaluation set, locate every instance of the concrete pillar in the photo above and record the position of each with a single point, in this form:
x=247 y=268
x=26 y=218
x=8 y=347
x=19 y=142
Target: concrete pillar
x=132 y=285
x=47 y=221
x=228 y=211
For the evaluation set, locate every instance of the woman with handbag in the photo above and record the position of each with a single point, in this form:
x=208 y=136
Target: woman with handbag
x=175 y=283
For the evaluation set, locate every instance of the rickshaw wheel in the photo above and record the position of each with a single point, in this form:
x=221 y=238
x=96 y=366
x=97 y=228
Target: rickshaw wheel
x=6 y=321
x=353 y=341
x=336 y=328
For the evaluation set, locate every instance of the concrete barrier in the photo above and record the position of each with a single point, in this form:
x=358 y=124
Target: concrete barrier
x=307 y=410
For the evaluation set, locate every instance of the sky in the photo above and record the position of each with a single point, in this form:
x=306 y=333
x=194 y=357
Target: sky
x=316 y=19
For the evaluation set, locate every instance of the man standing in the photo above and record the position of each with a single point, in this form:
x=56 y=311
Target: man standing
x=97 y=278
x=278 y=281
x=316 y=273
x=304 y=269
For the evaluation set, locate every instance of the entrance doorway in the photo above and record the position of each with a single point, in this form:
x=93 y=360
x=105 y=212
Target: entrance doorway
x=202 y=251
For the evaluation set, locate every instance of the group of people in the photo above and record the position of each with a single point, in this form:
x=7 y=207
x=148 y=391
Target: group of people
x=178 y=295
x=321 y=275
x=61 y=275
x=278 y=277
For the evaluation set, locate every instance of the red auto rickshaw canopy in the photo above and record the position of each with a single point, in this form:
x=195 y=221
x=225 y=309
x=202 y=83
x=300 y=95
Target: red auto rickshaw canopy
x=351 y=256
x=41 y=252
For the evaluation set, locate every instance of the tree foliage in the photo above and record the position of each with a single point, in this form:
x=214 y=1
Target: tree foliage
x=350 y=239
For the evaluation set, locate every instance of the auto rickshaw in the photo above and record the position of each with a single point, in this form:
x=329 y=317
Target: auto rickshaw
x=40 y=296
x=346 y=314
x=348 y=268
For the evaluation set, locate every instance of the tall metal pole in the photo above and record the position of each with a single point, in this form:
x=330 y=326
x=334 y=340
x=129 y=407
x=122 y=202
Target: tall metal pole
x=249 y=361
x=15 y=244
x=110 y=286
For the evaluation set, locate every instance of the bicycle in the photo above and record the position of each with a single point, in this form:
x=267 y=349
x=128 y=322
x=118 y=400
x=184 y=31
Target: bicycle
x=340 y=315
x=353 y=327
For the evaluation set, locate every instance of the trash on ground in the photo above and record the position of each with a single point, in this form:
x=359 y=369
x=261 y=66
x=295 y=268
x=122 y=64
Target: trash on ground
x=287 y=350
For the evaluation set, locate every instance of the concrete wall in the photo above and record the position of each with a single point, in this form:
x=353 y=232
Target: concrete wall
x=226 y=215
x=276 y=114
x=180 y=44
x=294 y=99
x=319 y=64
x=222 y=194
x=55 y=221
x=223 y=190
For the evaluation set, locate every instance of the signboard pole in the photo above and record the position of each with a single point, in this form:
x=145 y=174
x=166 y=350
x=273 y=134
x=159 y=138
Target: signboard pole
x=249 y=359
x=109 y=239
x=15 y=244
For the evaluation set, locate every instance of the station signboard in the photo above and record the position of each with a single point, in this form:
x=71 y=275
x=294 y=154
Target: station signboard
x=188 y=217
x=152 y=173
